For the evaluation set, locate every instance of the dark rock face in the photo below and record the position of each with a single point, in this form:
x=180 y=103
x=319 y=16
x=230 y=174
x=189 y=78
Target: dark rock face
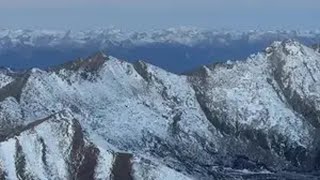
x=121 y=169
x=20 y=163
x=88 y=164
x=83 y=158
x=316 y=47
x=14 y=89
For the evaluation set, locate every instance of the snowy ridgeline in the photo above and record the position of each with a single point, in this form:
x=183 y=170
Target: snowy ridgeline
x=176 y=50
x=106 y=118
x=182 y=35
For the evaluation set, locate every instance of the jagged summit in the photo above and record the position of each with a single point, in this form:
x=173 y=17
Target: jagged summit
x=99 y=55
x=287 y=47
x=90 y=64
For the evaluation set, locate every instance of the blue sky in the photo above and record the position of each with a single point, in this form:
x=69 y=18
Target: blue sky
x=148 y=14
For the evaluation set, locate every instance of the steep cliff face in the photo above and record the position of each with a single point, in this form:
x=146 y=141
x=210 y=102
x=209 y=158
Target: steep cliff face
x=296 y=70
x=254 y=100
x=252 y=119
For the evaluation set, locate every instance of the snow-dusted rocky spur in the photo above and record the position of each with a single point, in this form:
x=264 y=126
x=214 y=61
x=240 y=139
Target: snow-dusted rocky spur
x=104 y=118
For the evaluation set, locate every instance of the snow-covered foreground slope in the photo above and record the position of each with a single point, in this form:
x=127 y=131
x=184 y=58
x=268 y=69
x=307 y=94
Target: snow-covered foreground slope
x=57 y=148
x=251 y=119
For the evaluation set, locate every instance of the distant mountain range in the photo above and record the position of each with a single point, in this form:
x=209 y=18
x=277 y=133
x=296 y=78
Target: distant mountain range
x=176 y=50
x=105 y=118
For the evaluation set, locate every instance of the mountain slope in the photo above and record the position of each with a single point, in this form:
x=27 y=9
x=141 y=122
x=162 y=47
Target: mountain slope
x=248 y=96
x=234 y=120
x=57 y=148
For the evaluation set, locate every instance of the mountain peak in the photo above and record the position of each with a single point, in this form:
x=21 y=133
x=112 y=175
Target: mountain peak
x=287 y=47
x=98 y=56
x=90 y=64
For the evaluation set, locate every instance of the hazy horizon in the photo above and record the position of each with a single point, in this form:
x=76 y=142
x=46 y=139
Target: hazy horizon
x=155 y=14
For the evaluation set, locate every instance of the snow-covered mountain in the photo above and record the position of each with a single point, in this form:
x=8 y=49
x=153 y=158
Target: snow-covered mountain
x=103 y=118
x=105 y=37
x=176 y=49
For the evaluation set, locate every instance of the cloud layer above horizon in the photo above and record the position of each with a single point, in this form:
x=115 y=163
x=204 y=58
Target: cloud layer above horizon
x=146 y=14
